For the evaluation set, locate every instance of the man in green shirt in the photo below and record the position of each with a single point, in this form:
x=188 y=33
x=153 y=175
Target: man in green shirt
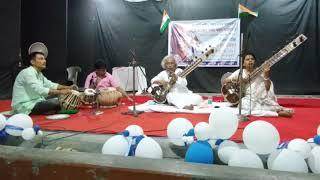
x=31 y=88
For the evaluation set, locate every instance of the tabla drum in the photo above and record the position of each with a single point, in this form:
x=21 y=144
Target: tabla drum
x=109 y=98
x=70 y=101
x=89 y=97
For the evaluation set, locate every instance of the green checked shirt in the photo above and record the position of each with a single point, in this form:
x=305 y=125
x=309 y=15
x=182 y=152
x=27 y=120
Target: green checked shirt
x=30 y=87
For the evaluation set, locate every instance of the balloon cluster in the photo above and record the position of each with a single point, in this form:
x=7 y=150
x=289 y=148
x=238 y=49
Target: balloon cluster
x=132 y=142
x=261 y=142
x=18 y=125
x=223 y=123
x=299 y=153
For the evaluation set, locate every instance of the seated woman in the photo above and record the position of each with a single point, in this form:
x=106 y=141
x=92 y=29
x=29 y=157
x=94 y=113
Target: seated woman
x=100 y=79
x=259 y=98
x=179 y=95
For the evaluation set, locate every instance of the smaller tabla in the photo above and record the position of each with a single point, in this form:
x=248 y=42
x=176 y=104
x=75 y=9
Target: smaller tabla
x=109 y=98
x=89 y=97
x=70 y=101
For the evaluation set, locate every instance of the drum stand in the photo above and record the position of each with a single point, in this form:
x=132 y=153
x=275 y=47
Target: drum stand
x=133 y=112
x=97 y=105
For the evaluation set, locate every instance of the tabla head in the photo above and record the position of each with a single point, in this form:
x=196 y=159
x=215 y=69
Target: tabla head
x=90 y=92
x=38 y=47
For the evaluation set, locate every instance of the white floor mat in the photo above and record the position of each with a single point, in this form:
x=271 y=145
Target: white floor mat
x=151 y=106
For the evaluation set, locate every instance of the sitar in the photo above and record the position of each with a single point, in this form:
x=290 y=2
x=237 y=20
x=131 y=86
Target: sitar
x=159 y=93
x=231 y=90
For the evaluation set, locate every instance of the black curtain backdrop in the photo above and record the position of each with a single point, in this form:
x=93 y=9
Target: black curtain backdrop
x=10 y=44
x=109 y=29
x=45 y=21
x=78 y=32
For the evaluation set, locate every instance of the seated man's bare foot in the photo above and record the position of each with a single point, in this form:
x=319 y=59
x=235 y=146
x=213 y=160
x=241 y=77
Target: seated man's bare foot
x=285 y=113
x=189 y=107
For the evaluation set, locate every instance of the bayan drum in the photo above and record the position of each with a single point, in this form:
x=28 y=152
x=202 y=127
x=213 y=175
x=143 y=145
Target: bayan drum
x=70 y=101
x=109 y=98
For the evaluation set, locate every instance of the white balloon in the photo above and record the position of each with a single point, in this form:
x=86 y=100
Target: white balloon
x=28 y=134
x=176 y=129
x=228 y=143
x=2 y=121
x=226 y=150
x=314 y=160
x=212 y=143
x=148 y=148
x=188 y=139
x=311 y=143
x=135 y=130
x=223 y=123
x=116 y=145
x=261 y=137
x=273 y=155
x=300 y=146
x=288 y=160
x=201 y=131
x=19 y=120
x=318 y=130
x=245 y=158
x=40 y=133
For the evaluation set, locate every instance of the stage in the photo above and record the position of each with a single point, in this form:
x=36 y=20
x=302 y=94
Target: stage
x=303 y=124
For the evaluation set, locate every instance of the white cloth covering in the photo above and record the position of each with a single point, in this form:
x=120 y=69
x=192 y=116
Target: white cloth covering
x=203 y=108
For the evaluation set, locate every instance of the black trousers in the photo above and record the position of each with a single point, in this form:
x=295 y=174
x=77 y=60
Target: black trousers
x=49 y=106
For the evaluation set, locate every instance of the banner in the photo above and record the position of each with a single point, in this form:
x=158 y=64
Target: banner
x=188 y=39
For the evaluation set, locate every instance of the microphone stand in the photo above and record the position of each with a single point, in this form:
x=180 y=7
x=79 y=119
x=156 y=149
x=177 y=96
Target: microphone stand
x=133 y=112
x=241 y=117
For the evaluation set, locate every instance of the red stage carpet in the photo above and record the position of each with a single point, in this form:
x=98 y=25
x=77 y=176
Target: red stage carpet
x=303 y=124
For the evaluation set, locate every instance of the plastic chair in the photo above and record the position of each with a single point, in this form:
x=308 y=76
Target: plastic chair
x=73 y=73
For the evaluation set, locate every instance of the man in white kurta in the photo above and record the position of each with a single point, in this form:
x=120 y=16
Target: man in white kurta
x=179 y=95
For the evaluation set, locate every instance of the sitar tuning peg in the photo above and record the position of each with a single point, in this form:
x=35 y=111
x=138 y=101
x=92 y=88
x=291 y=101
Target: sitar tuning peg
x=301 y=39
x=294 y=44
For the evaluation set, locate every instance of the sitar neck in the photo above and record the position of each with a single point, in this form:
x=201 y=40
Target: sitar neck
x=279 y=55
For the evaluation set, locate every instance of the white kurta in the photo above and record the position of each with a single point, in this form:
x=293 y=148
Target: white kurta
x=263 y=102
x=179 y=94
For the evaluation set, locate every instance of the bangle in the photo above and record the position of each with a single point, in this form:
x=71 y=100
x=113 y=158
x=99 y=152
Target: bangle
x=266 y=79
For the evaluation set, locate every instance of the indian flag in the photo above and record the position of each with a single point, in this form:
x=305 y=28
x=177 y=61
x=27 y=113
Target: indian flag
x=243 y=12
x=165 y=21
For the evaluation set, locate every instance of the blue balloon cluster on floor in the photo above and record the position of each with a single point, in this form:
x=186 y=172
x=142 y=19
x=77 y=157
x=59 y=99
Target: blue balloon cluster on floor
x=200 y=152
x=316 y=139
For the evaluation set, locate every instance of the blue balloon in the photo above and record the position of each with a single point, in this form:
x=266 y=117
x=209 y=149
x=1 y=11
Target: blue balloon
x=200 y=152
x=3 y=134
x=219 y=141
x=136 y=140
x=125 y=133
x=316 y=139
x=283 y=145
x=190 y=132
x=36 y=128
